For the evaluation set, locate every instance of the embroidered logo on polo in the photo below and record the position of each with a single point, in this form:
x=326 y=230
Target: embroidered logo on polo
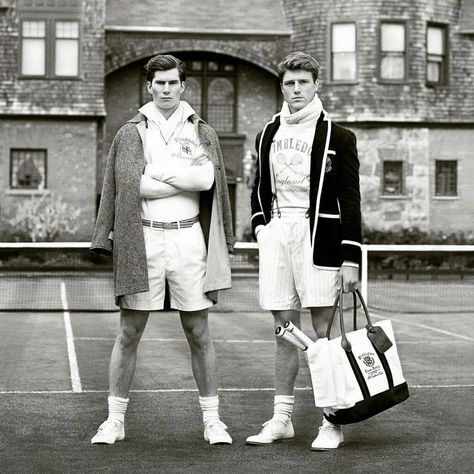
x=185 y=149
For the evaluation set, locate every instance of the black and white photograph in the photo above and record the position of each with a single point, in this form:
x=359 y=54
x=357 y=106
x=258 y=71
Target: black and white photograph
x=236 y=236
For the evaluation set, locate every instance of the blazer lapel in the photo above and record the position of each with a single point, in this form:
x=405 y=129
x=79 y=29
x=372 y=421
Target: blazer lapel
x=317 y=157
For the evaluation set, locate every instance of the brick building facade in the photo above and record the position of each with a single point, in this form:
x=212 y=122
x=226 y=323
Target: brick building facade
x=398 y=73
x=51 y=116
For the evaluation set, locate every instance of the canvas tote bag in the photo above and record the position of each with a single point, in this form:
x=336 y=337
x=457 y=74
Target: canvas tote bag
x=357 y=375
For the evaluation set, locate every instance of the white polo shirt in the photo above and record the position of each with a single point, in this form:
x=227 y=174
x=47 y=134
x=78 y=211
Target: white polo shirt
x=171 y=143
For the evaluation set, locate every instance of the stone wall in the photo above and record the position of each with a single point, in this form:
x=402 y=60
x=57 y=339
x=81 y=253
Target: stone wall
x=70 y=164
x=418 y=148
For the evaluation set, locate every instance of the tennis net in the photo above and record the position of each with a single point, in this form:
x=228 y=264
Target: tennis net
x=62 y=276
x=396 y=278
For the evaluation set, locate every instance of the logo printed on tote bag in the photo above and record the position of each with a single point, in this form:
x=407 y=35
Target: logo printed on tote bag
x=368 y=361
x=372 y=370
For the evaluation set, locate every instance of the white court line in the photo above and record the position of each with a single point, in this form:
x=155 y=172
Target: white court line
x=194 y=390
x=158 y=339
x=71 y=351
x=424 y=326
x=235 y=341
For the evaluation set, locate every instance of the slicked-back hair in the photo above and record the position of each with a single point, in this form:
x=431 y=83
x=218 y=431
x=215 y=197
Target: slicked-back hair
x=298 y=61
x=165 y=62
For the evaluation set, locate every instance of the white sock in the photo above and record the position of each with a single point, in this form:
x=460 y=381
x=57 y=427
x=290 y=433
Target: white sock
x=283 y=407
x=210 y=408
x=328 y=411
x=117 y=408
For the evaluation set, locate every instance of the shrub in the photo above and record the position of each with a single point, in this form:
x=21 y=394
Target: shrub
x=42 y=219
x=413 y=235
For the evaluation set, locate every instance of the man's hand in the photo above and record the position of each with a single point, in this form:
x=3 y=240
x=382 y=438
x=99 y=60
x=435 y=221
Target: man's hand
x=348 y=278
x=199 y=160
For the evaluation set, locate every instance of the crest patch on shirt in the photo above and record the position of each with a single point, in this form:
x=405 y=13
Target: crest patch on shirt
x=186 y=149
x=328 y=164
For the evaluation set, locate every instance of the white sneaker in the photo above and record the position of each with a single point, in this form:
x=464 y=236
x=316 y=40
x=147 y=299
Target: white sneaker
x=109 y=432
x=273 y=430
x=215 y=432
x=329 y=437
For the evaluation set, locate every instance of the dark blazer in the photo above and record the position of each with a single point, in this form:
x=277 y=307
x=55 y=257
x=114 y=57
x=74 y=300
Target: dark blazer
x=334 y=194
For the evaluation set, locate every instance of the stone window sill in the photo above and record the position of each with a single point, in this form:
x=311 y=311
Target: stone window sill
x=27 y=192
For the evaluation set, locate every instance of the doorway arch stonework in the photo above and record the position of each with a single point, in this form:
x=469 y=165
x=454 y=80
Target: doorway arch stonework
x=126 y=48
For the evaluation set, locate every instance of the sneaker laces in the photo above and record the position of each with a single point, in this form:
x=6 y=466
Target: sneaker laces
x=215 y=425
x=327 y=427
x=108 y=423
x=269 y=422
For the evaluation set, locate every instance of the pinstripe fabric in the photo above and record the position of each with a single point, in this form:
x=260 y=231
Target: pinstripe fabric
x=287 y=277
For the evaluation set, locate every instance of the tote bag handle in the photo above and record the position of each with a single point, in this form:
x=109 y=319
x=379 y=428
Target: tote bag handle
x=338 y=302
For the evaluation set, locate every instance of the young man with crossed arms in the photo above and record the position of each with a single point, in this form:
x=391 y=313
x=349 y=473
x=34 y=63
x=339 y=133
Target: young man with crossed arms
x=165 y=216
x=307 y=220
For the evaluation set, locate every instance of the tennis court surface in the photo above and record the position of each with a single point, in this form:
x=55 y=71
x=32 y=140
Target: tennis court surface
x=53 y=390
x=58 y=323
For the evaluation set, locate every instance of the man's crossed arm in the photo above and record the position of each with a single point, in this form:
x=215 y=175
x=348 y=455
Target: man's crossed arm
x=164 y=181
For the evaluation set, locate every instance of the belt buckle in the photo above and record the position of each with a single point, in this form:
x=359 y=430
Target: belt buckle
x=167 y=225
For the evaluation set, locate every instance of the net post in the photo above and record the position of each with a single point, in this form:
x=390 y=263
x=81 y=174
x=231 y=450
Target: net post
x=364 y=272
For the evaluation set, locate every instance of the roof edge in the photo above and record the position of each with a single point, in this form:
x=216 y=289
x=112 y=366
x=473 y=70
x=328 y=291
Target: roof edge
x=172 y=29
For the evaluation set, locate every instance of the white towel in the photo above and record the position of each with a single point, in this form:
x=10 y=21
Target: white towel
x=322 y=378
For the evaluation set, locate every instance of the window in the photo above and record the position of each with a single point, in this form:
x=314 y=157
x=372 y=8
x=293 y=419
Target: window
x=446 y=178
x=28 y=169
x=393 y=52
x=49 y=48
x=221 y=103
x=392 y=178
x=343 y=52
x=66 y=48
x=33 y=48
x=211 y=91
x=436 y=58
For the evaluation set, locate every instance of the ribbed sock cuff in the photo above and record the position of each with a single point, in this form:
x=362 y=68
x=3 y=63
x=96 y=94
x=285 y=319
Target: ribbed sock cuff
x=117 y=408
x=210 y=408
x=283 y=407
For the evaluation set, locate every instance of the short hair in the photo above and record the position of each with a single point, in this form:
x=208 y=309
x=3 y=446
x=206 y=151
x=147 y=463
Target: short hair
x=165 y=62
x=296 y=62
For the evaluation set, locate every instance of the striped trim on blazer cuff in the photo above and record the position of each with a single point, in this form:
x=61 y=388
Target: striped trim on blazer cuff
x=257 y=219
x=351 y=242
x=351 y=251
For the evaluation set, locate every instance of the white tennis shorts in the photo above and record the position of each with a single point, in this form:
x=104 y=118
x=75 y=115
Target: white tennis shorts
x=287 y=277
x=178 y=256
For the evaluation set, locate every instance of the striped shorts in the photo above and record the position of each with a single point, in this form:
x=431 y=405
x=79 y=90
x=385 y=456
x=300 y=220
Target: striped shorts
x=287 y=277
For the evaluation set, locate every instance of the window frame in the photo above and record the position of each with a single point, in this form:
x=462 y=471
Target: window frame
x=402 y=192
x=380 y=54
x=456 y=180
x=19 y=189
x=331 y=54
x=50 y=45
x=207 y=75
x=445 y=63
